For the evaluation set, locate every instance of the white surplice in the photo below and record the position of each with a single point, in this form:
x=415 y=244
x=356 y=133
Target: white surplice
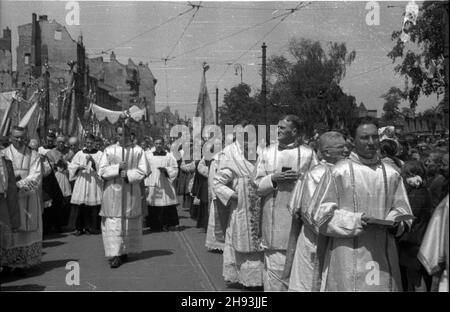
x=26 y=243
x=121 y=208
x=161 y=189
x=88 y=186
x=276 y=218
x=434 y=250
x=306 y=265
x=357 y=258
x=218 y=213
x=242 y=258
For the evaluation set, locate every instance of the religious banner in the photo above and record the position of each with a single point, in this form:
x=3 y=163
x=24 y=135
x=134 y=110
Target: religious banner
x=204 y=108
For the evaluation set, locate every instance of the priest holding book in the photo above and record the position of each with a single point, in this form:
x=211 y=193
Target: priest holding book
x=362 y=206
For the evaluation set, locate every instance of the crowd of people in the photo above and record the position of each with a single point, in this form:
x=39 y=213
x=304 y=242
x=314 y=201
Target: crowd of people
x=364 y=210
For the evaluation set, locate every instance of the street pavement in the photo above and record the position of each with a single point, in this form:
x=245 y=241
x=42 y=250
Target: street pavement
x=170 y=261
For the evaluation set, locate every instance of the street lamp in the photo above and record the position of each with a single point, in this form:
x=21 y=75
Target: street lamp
x=238 y=67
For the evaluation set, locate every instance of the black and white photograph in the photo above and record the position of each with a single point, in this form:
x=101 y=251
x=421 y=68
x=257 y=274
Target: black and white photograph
x=235 y=147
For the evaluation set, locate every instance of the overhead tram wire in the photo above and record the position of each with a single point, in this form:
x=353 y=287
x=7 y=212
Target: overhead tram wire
x=292 y=11
x=367 y=71
x=197 y=8
x=229 y=36
x=151 y=29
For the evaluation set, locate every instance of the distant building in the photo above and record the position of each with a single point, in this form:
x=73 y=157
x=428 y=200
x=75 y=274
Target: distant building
x=165 y=120
x=372 y=113
x=133 y=84
x=6 y=70
x=46 y=45
x=362 y=111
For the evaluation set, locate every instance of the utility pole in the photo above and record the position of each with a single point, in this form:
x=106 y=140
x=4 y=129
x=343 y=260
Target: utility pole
x=217 y=105
x=47 y=97
x=263 y=86
x=238 y=68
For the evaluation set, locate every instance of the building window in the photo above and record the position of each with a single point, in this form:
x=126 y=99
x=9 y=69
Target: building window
x=27 y=58
x=58 y=34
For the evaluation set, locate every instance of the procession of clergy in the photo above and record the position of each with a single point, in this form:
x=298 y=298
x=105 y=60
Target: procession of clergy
x=291 y=219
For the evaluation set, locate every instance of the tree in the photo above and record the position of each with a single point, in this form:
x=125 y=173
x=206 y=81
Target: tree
x=423 y=68
x=391 y=109
x=432 y=117
x=239 y=105
x=306 y=83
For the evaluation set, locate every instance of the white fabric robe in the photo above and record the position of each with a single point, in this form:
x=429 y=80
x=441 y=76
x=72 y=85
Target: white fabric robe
x=243 y=260
x=88 y=186
x=26 y=244
x=122 y=220
x=137 y=170
x=276 y=218
x=358 y=259
x=434 y=250
x=161 y=191
x=305 y=273
x=215 y=233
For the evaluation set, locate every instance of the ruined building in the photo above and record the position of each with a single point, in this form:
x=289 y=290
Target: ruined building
x=6 y=70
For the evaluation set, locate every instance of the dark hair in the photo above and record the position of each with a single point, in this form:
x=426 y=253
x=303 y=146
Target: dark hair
x=89 y=136
x=362 y=121
x=294 y=120
x=61 y=164
x=388 y=148
x=412 y=168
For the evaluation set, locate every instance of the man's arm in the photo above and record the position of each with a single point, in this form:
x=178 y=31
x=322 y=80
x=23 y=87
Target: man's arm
x=327 y=217
x=106 y=170
x=222 y=178
x=400 y=207
x=263 y=180
x=34 y=178
x=203 y=168
x=138 y=174
x=172 y=168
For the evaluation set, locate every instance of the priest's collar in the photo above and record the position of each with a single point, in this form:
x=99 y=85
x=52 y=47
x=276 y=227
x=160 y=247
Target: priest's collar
x=90 y=151
x=49 y=147
x=292 y=145
x=161 y=153
x=130 y=144
x=375 y=161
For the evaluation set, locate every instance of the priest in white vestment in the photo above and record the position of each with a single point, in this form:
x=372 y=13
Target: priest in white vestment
x=233 y=187
x=9 y=210
x=306 y=247
x=122 y=167
x=218 y=216
x=362 y=206
x=88 y=187
x=26 y=242
x=279 y=167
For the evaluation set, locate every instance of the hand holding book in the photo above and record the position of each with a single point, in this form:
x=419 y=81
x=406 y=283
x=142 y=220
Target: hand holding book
x=383 y=222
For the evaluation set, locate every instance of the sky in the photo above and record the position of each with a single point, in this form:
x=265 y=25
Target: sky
x=151 y=31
